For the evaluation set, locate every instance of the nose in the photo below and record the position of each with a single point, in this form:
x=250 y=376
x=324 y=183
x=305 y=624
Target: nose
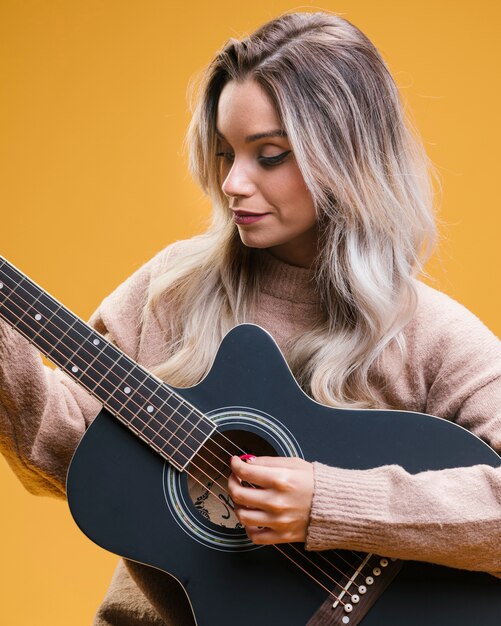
x=238 y=181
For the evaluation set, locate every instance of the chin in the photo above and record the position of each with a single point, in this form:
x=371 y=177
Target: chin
x=260 y=244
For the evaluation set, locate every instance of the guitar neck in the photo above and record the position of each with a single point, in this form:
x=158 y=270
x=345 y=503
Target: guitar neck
x=146 y=405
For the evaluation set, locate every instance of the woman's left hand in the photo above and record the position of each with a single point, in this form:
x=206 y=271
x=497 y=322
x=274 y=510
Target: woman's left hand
x=275 y=507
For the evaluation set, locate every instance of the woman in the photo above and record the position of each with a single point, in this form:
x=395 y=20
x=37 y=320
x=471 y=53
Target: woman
x=322 y=220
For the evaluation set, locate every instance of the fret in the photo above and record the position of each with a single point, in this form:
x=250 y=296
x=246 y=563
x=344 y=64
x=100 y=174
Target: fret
x=105 y=378
x=185 y=452
x=194 y=438
x=140 y=397
x=61 y=347
x=60 y=326
x=179 y=461
x=18 y=308
x=148 y=390
x=46 y=306
x=183 y=418
x=43 y=318
x=158 y=426
x=162 y=427
x=177 y=409
x=12 y=309
x=27 y=331
x=79 y=350
x=184 y=414
x=168 y=438
x=88 y=375
x=123 y=392
x=27 y=325
x=197 y=436
x=170 y=424
x=28 y=301
x=49 y=321
x=155 y=437
x=52 y=332
x=204 y=426
x=192 y=434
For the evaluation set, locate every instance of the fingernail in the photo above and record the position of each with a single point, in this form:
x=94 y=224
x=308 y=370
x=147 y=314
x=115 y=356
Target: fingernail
x=247 y=457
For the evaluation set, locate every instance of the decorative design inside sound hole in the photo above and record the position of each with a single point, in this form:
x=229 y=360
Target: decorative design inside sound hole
x=209 y=472
x=197 y=498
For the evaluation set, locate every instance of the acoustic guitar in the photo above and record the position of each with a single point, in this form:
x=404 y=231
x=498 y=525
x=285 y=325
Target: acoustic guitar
x=147 y=481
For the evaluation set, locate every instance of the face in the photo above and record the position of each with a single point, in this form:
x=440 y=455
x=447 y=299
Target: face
x=272 y=207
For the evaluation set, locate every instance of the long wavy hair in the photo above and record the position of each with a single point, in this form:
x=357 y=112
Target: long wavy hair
x=370 y=181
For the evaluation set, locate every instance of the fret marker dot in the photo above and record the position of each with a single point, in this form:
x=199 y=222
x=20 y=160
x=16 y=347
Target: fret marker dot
x=38 y=317
x=1 y=285
x=95 y=342
x=127 y=389
x=149 y=408
x=74 y=369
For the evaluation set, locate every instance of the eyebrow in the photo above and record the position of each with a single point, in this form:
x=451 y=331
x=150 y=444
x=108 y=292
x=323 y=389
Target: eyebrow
x=250 y=138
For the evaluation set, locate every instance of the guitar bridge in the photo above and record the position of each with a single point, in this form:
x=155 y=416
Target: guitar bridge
x=348 y=606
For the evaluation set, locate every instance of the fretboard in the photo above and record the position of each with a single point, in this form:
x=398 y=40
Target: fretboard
x=146 y=405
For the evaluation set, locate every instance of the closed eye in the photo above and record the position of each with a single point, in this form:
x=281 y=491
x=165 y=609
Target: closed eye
x=274 y=160
x=229 y=156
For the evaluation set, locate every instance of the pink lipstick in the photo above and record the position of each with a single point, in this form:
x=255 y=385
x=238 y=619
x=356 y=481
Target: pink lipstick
x=241 y=217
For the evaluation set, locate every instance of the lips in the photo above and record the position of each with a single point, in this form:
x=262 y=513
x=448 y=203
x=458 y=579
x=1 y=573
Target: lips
x=244 y=213
x=243 y=217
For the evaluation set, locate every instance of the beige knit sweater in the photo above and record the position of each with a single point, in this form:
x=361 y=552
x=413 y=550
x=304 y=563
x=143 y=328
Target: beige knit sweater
x=453 y=370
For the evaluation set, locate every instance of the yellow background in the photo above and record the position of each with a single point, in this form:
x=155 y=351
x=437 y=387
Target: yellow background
x=93 y=182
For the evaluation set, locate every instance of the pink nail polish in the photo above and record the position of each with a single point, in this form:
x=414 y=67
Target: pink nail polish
x=247 y=457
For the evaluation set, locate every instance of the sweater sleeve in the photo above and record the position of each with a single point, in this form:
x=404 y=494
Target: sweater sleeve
x=43 y=413
x=451 y=517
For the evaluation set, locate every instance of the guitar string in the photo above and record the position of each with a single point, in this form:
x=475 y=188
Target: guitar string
x=220 y=486
x=217 y=470
x=340 y=556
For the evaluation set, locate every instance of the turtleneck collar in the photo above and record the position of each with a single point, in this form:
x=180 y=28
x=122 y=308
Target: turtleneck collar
x=287 y=282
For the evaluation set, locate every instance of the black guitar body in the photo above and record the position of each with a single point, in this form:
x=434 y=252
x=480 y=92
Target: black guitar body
x=128 y=500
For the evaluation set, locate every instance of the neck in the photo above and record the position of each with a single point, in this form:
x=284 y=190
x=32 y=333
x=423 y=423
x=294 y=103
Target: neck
x=301 y=251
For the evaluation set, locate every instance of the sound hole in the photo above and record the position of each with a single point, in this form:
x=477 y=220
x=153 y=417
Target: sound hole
x=209 y=471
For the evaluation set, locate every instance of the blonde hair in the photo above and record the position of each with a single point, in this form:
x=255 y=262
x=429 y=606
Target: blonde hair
x=369 y=179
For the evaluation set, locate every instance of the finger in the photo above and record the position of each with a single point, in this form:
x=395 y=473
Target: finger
x=253 y=517
x=271 y=461
x=253 y=472
x=247 y=496
x=263 y=536
x=275 y=461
